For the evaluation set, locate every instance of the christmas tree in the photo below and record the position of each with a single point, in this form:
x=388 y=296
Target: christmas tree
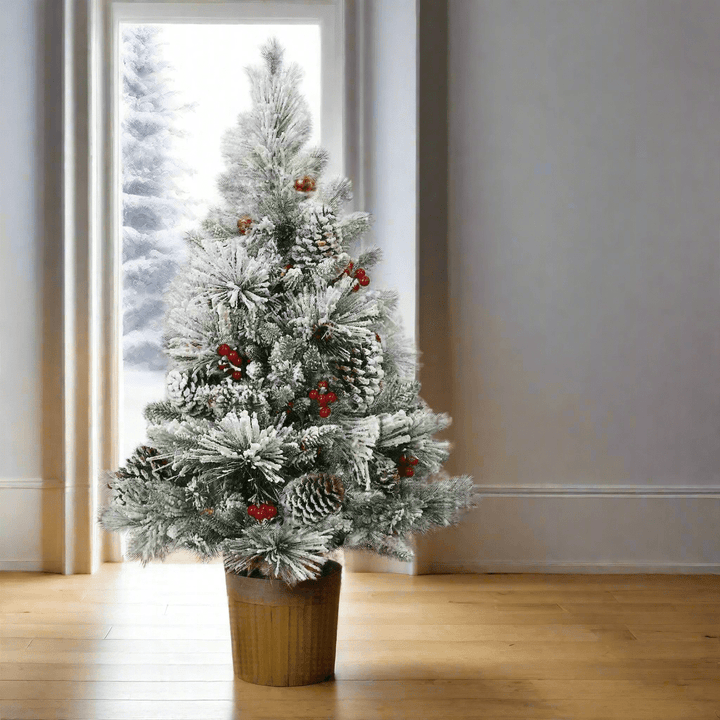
x=151 y=207
x=292 y=424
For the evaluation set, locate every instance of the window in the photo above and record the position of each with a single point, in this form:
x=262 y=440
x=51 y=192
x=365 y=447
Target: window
x=177 y=83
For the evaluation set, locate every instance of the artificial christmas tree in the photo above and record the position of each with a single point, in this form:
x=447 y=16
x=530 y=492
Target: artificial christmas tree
x=292 y=425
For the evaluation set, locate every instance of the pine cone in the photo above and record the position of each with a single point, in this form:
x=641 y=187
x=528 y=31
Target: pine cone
x=312 y=497
x=145 y=465
x=384 y=474
x=181 y=390
x=318 y=238
x=362 y=373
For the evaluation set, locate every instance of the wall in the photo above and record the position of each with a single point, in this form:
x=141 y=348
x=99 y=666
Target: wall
x=30 y=299
x=583 y=283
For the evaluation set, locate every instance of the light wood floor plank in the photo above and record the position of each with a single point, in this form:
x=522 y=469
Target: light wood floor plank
x=153 y=644
x=489 y=709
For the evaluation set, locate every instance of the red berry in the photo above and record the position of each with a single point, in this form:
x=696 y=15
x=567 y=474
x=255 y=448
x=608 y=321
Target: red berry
x=331 y=397
x=313 y=394
x=364 y=280
x=414 y=461
x=409 y=472
x=402 y=459
x=223 y=349
x=355 y=288
x=323 y=384
x=233 y=357
x=360 y=272
x=236 y=375
x=323 y=399
x=222 y=366
x=291 y=403
x=268 y=511
x=325 y=411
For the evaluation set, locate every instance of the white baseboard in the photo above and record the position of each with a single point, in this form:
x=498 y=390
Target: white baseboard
x=520 y=529
x=31 y=512
x=581 y=529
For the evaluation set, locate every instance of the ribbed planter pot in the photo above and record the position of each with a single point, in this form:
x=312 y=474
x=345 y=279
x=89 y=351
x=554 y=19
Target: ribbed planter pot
x=283 y=635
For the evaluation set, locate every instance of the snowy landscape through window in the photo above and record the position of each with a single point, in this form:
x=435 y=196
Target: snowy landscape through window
x=175 y=106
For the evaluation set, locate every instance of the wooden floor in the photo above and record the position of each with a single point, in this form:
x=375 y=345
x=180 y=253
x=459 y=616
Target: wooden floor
x=154 y=643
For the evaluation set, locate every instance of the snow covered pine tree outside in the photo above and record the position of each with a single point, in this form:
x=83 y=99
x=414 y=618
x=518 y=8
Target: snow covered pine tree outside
x=293 y=424
x=152 y=208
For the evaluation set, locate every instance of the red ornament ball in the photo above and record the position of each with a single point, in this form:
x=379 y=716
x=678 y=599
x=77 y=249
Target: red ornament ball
x=364 y=280
x=223 y=350
x=305 y=184
x=236 y=375
x=325 y=411
x=243 y=223
x=313 y=394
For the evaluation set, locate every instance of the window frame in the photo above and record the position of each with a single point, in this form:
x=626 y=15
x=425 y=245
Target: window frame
x=366 y=39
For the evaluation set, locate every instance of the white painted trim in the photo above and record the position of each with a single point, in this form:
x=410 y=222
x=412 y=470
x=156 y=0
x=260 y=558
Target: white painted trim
x=355 y=156
x=500 y=566
x=667 y=491
x=80 y=304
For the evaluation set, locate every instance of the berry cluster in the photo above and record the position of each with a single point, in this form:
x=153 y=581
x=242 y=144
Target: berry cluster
x=359 y=275
x=262 y=512
x=231 y=361
x=324 y=397
x=243 y=224
x=405 y=465
x=305 y=184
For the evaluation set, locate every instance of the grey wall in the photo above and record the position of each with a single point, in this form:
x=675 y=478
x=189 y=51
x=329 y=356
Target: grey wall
x=583 y=277
x=30 y=271
x=585 y=247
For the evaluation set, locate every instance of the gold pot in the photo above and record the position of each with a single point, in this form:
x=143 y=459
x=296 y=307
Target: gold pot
x=283 y=635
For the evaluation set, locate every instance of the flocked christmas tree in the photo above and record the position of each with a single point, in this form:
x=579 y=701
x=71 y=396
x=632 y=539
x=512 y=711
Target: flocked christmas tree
x=292 y=424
